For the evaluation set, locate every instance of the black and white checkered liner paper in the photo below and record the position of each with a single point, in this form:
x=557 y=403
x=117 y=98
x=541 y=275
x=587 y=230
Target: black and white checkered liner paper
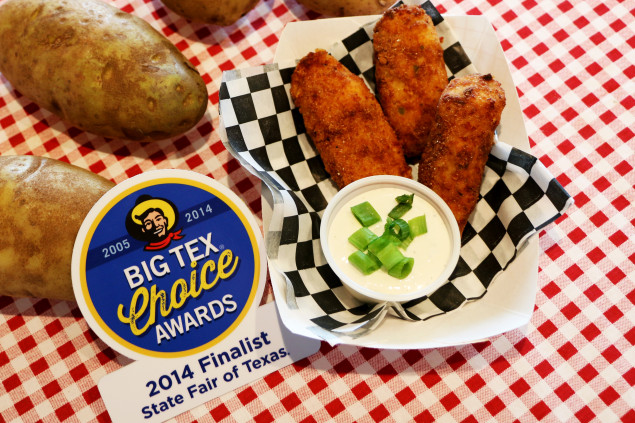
x=265 y=132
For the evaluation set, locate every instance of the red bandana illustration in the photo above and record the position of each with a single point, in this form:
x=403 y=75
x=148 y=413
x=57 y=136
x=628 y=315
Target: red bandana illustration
x=160 y=245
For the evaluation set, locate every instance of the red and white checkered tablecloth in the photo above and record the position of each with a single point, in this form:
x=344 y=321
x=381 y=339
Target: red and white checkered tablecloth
x=573 y=63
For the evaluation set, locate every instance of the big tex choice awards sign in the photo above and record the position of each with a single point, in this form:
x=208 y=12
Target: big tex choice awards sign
x=169 y=269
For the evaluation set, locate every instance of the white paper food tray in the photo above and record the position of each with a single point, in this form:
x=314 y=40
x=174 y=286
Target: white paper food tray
x=510 y=299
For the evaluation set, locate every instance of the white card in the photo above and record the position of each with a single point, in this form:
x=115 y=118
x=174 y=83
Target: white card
x=154 y=390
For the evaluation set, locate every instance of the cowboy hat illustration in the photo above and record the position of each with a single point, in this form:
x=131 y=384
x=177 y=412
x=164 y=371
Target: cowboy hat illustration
x=152 y=220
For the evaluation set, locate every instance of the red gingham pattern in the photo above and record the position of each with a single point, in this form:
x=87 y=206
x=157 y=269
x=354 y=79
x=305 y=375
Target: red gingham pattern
x=574 y=65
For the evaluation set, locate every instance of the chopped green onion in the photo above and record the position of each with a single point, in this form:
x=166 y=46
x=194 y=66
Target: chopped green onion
x=378 y=244
x=406 y=242
x=399 y=210
x=365 y=214
x=361 y=238
x=363 y=262
x=389 y=255
x=374 y=258
x=405 y=199
x=404 y=204
x=398 y=228
x=391 y=236
x=402 y=268
x=374 y=252
x=418 y=225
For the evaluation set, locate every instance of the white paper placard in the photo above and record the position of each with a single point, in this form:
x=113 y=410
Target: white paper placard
x=154 y=390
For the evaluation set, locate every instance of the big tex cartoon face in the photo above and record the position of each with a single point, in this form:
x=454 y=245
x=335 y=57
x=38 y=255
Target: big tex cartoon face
x=152 y=220
x=154 y=224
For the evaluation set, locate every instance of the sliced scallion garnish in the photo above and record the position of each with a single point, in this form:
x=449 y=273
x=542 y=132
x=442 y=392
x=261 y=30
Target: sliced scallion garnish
x=374 y=258
x=398 y=228
x=406 y=242
x=361 y=238
x=365 y=214
x=418 y=225
x=379 y=244
x=402 y=268
x=404 y=204
x=374 y=252
x=389 y=255
x=363 y=262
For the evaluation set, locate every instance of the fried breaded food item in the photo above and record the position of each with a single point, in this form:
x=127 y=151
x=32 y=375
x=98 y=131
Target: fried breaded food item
x=455 y=155
x=345 y=121
x=410 y=74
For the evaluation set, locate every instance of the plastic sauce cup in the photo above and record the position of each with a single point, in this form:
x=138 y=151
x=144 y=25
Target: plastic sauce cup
x=435 y=253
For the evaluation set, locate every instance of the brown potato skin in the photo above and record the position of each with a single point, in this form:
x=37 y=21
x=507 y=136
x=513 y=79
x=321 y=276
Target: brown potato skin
x=43 y=203
x=222 y=13
x=348 y=7
x=345 y=121
x=99 y=68
x=410 y=74
x=457 y=150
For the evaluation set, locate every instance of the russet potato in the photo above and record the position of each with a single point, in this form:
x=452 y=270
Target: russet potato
x=348 y=7
x=222 y=13
x=100 y=69
x=43 y=203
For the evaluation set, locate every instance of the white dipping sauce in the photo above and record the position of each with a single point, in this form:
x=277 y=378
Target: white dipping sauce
x=431 y=251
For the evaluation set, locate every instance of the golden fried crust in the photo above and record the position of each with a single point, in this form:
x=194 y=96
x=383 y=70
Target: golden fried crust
x=454 y=157
x=410 y=74
x=345 y=121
